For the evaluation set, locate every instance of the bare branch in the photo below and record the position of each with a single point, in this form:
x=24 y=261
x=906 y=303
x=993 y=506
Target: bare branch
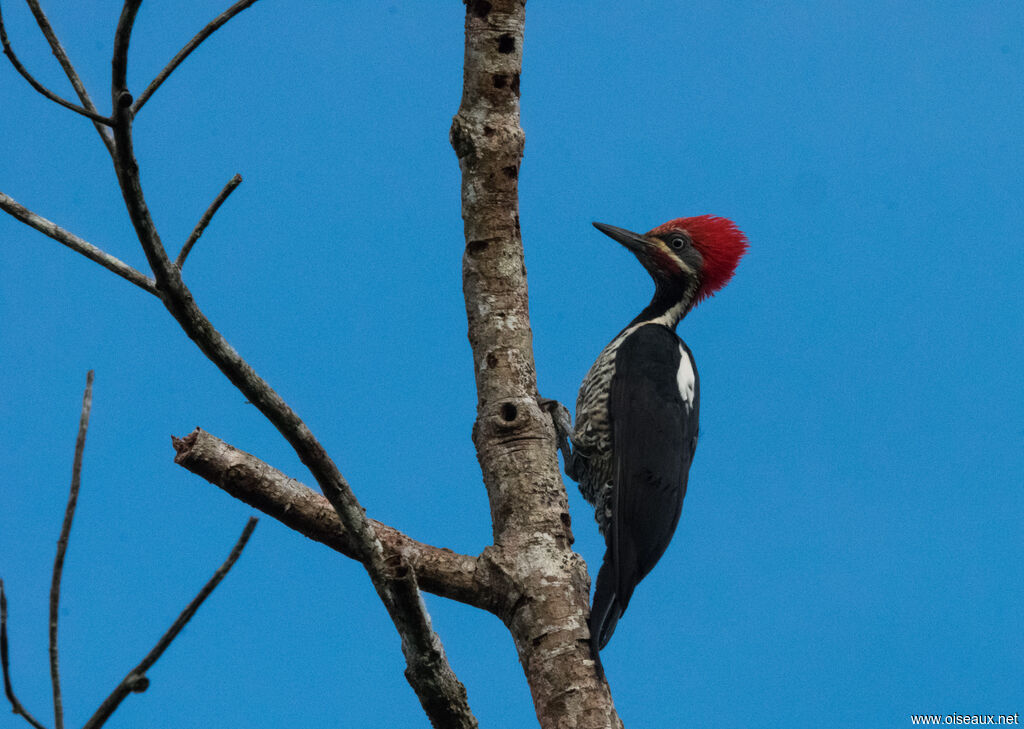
x=16 y=706
x=189 y=47
x=136 y=681
x=182 y=306
x=9 y=52
x=69 y=71
x=244 y=476
x=119 y=60
x=427 y=665
x=61 y=55
x=62 y=547
x=207 y=217
x=72 y=241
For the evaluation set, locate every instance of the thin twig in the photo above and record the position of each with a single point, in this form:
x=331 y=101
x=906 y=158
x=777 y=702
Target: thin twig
x=189 y=47
x=207 y=217
x=182 y=306
x=369 y=551
x=9 y=52
x=60 y=54
x=16 y=706
x=62 y=548
x=69 y=71
x=72 y=241
x=136 y=680
x=119 y=59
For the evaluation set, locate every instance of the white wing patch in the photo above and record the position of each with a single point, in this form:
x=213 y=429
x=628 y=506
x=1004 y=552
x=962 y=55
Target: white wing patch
x=685 y=378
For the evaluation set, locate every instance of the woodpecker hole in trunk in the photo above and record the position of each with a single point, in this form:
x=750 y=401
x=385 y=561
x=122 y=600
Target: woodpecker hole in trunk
x=475 y=247
x=506 y=43
x=481 y=8
x=509 y=412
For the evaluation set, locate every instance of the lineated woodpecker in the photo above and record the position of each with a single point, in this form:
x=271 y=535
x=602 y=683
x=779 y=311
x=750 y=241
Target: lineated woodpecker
x=637 y=410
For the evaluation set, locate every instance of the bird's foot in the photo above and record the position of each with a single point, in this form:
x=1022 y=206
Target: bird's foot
x=563 y=426
x=559 y=415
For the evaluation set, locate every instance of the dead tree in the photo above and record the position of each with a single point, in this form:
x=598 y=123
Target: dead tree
x=529 y=577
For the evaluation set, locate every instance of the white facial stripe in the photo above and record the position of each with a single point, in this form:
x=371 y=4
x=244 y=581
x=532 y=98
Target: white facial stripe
x=679 y=264
x=685 y=378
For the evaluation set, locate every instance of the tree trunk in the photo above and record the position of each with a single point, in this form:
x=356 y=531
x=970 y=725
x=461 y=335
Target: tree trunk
x=546 y=603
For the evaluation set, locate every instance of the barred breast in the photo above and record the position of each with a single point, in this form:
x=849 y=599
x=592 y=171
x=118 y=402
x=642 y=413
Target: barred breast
x=592 y=435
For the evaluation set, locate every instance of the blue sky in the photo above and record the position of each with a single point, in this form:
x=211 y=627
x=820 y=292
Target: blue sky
x=850 y=549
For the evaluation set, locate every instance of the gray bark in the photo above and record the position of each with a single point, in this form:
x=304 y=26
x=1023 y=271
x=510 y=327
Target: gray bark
x=546 y=604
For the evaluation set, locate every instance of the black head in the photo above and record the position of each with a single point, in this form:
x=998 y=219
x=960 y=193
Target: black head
x=695 y=256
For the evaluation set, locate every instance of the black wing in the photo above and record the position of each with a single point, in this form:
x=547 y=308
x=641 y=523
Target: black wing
x=654 y=435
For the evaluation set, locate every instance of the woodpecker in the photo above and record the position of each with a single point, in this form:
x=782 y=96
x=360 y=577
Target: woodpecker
x=638 y=407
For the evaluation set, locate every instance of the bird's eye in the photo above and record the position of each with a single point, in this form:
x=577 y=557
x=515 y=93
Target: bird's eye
x=677 y=243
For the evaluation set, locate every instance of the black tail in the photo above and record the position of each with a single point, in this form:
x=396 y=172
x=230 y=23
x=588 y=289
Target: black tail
x=605 y=613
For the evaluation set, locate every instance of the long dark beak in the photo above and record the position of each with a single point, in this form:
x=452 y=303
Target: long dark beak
x=633 y=241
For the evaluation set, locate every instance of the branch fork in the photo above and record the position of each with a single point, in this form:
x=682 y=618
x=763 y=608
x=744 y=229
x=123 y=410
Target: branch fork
x=530 y=577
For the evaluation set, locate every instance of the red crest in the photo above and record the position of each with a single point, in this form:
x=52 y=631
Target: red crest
x=719 y=242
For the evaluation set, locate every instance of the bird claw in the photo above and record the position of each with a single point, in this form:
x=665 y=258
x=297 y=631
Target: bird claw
x=563 y=426
x=559 y=415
